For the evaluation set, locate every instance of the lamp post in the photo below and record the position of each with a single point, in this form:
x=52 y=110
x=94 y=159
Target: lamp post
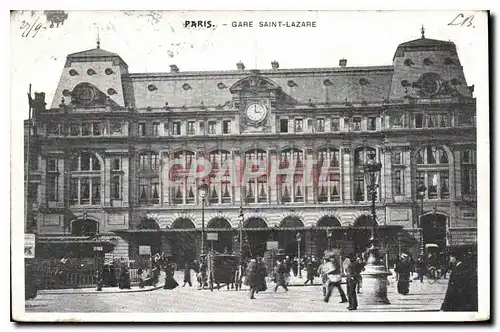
x=375 y=274
x=421 y=189
x=242 y=219
x=203 y=192
x=299 y=238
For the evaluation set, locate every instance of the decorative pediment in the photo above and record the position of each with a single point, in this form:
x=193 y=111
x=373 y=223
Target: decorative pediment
x=254 y=82
x=432 y=85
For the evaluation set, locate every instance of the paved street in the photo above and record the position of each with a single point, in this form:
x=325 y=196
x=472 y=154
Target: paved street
x=422 y=297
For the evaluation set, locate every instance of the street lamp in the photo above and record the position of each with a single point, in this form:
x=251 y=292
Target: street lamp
x=299 y=238
x=421 y=189
x=242 y=219
x=203 y=192
x=375 y=274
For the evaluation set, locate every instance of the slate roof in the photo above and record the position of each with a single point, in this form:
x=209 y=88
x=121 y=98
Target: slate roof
x=426 y=44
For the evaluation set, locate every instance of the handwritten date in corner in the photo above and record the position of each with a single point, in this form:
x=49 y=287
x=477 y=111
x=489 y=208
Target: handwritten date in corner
x=53 y=17
x=462 y=20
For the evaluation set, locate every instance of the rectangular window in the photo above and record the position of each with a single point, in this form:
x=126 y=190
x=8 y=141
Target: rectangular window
x=397 y=182
x=468 y=157
x=176 y=128
x=156 y=129
x=142 y=129
x=335 y=124
x=372 y=123
x=419 y=120
x=116 y=187
x=73 y=191
x=444 y=179
x=202 y=127
x=356 y=123
x=53 y=129
x=298 y=188
x=143 y=190
x=190 y=128
x=432 y=121
x=397 y=158
x=420 y=178
x=468 y=181
x=116 y=127
x=74 y=130
x=212 y=127
x=155 y=161
x=155 y=191
x=359 y=187
x=226 y=127
x=262 y=188
x=283 y=125
x=52 y=165
x=347 y=124
x=432 y=184
x=84 y=191
x=397 y=121
x=334 y=187
x=96 y=191
x=320 y=125
x=86 y=129
x=85 y=162
x=143 y=162
x=298 y=127
x=115 y=165
x=52 y=187
x=96 y=129
x=465 y=119
x=444 y=120
x=177 y=192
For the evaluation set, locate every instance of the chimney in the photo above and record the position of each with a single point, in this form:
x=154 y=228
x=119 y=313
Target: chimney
x=240 y=66
x=275 y=64
x=343 y=63
x=174 y=69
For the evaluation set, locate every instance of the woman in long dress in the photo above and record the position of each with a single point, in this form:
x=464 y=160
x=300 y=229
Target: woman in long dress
x=170 y=282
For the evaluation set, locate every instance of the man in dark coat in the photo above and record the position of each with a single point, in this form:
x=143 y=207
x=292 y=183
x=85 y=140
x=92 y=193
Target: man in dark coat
x=310 y=272
x=124 y=279
x=280 y=276
x=461 y=294
x=170 y=282
x=403 y=269
x=420 y=268
x=350 y=272
x=252 y=277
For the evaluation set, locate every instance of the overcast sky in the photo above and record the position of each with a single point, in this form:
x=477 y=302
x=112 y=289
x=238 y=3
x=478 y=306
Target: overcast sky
x=151 y=41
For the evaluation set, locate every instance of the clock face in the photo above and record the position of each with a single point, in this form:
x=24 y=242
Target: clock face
x=256 y=112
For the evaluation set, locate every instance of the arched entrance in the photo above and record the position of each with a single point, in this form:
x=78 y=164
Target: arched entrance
x=287 y=237
x=321 y=239
x=84 y=227
x=434 y=229
x=362 y=233
x=225 y=240
x=184 y=241
x=256 y=238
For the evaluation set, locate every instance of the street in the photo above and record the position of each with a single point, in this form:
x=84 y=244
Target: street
x=423 y=297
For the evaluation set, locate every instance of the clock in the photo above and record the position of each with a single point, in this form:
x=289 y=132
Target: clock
x=430 y=83
x=256 y=112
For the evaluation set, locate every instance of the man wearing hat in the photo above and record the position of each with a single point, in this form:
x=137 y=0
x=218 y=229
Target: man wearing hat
x=330 y=272
x=403 y=269
x=461 y=294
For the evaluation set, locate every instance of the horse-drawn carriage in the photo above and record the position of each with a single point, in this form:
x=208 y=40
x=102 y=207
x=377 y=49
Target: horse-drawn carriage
x=223 y=269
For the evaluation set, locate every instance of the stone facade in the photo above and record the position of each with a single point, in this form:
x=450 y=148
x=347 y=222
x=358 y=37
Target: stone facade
x=105 y=150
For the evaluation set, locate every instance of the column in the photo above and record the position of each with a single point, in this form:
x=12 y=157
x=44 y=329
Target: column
x=164 y=178
x=456 y=175
x=386 y=178
x=126 y=169
x=309 y=180
x=346 y=175
x=61 y=181
x=106 y=185
x=273 y=188
x=237 y=171
x=407 y=177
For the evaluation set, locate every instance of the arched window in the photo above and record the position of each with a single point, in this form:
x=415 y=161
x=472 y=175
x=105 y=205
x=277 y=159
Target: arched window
x=220 y=189
x=149 y=179
x=183 y=190
x=256 y=189
x=432 y=164
x=291 y=187
x=361 y=157
x=85 y=183
x=328 y=184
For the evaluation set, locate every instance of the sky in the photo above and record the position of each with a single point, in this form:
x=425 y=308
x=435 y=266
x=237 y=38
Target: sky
x=149 y=41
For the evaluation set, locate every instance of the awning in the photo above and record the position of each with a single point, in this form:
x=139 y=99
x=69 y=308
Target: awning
x=259 y=229
x=72 y=240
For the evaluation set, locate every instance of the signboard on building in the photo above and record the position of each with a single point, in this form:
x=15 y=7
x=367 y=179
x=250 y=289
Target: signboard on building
x=144 y=250
x=97 y=248
x=272 y=245
x=212 y=236
x=29 y=245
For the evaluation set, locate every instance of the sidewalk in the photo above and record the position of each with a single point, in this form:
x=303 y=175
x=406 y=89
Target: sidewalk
x=106 y=290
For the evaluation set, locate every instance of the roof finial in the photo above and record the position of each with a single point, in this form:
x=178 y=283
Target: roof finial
x=98 y=39
x=422 y=31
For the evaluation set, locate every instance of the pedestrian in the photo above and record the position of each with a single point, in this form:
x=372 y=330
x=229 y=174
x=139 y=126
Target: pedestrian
x=280 y=276
x=124 y=279
x=262 y=273
x=359 y=266
x=462 y=292
x=310 y=272
x=140 y=275
x=420 y=268
x=350 y=272
x=170 y=282
x=252 y=280
x=403 y=269
x=331 y=272
x=187 y=275
x=295 y=266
